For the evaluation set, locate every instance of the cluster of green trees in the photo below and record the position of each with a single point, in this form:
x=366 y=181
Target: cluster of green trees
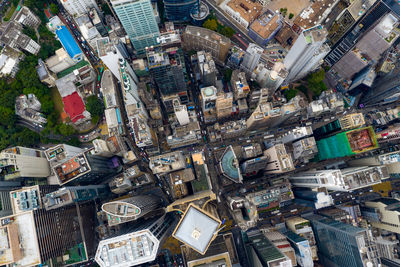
x=290 y=93
x=315 y=82
x=27 y=82
x=214 y=25
x=96 y=107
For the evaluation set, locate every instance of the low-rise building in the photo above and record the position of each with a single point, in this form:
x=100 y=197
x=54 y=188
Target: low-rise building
x=28 y=108
x=239 y=85
x=198 y=39
x=241 y=11
x=208 y=71
x=227 y=130
x=264 y=28
x=60 y=61
x=26 y=17
x=88 y=30
x=168 y=162
x=44 y=74
x=305 y=149
x=11 y=35
x=9 y=61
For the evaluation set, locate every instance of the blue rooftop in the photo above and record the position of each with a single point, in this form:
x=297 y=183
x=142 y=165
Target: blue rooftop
x=229 y=165
x=68 y=42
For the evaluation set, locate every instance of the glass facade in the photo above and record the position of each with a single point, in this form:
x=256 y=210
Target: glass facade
x=339 y=244
x=179 y=10
x=139 y=22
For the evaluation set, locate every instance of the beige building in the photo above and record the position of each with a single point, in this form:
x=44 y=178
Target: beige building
x=223 y=105
x=60 y=61
x=388 y=213
x=302 y=227
x=351 y=121
x=19 y=162
x=244 y=12
x=239 y=84
x=279 y=160
x=197 y=38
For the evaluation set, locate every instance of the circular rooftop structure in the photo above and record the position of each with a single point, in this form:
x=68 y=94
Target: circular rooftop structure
x=208 y=91
x=121 y=209
x=200 y=14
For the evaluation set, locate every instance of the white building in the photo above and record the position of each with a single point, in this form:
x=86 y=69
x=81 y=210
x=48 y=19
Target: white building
x=306 y=53
x=110 y=55
x=268 y=78
x=348 y=179
x=252 y=57
x=88 y=30
x=27 y=18
x=60 y=61
x=296 y=134
x=79 y=7
x=181 y=113
x=19 y=162
x=139 y=246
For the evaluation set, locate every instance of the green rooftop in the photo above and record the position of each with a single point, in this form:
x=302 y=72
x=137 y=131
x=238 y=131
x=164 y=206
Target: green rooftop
x=78 y=65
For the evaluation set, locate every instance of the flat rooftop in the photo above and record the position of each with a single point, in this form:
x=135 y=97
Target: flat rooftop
x=71 y=169
x=16 y=232
x=25 y=199
x=266 y=24
x=167 y=162
x=362 y=139
x=127 y=250
x=311 y=15
x=197 y=229
x=247 y=9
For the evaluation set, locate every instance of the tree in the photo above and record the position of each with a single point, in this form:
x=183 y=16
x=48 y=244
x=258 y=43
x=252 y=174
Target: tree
x=7 y=117
x=227 y=31
x=66 y=129
x=95 y=106
x=54 y=8
x=211 y=24
x=291 y=15
x=289 y=94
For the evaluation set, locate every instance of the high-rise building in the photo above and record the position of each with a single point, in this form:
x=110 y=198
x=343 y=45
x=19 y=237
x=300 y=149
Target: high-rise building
x=386 y=209
x=168 y=69
x=384 y=90
x=239 y=84
x=263 y=253
x=197 y=228
x=280 y=241
x=279 y=159
x=353 y=33
x=29 y=197
x=207 y=69
x=167 y=162
x=198 y=39
x=180 y=10
x=38 y=236
x=110 y=53
x=130 y=209
x=302 y=227
x=78 y=7
x=301 y=247
x=72 y=194
x=21 y=162
x=223 y=104
x=252 y=57
x=86 y=168
x=140 y=244
x=208 y=103
x=307 y=53
x=314 y=199
x=347 y=143
x=348 y=179
x=139 y=22
x=253 y=166
x=340 y=244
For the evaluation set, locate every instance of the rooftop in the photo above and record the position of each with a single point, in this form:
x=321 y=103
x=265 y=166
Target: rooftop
x=17 y=232
x=127 y=250
x=362 y=139
x=247 y=9
x=25 y=199
x=71 y=169
x=229 y=165
x=167 y=162
x=312 y=15
x=74 y=106
x=266 y=24
x=197 y=229
x=68 y=41
x=207 y=34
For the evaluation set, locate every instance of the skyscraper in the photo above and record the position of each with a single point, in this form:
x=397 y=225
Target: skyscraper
x=180 y=10
x=168 y=69
x=78 y=7
x=130 y=209
x=340 y=244
x=140 y=244
x=139 y=22
x=21 y=162
x=307 y=53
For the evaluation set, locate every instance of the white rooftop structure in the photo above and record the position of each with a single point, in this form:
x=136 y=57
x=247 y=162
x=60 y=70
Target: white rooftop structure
x=127 y=250
x=197 y=229
x=18 y=240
